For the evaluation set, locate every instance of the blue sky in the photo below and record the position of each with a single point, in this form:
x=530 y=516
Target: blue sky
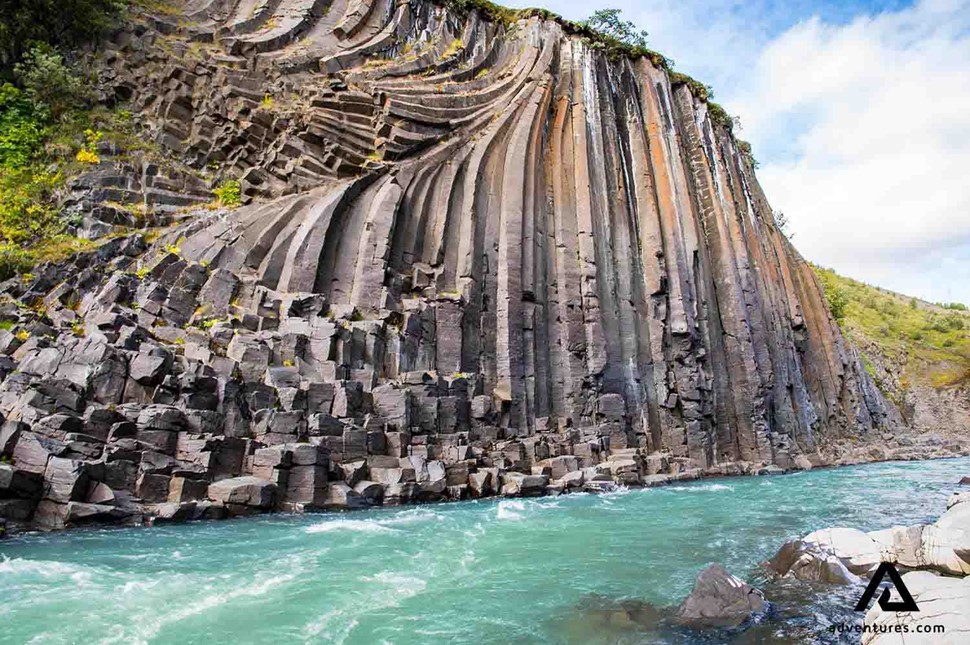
x=858 y=112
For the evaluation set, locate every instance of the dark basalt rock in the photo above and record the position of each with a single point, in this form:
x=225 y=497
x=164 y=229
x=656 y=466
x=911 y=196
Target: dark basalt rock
x=720 y=600
x=503 y=263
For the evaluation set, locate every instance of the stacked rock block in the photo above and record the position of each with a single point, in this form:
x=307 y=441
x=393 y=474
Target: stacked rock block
x=479 y=259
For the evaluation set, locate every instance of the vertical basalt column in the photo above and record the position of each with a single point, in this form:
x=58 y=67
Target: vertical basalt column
x=564 y=224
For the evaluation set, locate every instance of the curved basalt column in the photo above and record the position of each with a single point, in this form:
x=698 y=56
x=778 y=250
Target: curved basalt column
x=564 y=225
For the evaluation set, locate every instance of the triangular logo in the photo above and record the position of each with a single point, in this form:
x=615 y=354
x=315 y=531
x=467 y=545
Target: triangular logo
x=906 y=604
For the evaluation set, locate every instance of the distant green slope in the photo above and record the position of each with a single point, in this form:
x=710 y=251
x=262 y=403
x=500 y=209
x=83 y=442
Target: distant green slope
x=929 y=343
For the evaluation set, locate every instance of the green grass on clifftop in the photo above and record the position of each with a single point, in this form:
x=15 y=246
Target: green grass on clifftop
x=929 y=342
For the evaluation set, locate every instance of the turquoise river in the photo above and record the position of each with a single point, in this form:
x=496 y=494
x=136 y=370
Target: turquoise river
x=572 y=569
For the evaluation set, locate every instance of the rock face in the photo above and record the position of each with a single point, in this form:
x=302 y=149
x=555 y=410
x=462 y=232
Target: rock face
x=720 y=599
x=940 y=587
x=478 y=256
x=941 y=600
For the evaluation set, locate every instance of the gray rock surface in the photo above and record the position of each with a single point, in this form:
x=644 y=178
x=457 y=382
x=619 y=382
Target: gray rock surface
x=720 y=599
x=941 y=600
x=511 y=264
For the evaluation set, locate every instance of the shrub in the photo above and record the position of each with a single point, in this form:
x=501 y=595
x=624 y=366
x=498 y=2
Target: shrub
x=27 y=213
x=838 y=301
x=745 y=149
x=229 y=193
x=22 y=128
x=60 y=23
x=835 y=295
x=782 y=223
x=48 y=81
x=13 y=260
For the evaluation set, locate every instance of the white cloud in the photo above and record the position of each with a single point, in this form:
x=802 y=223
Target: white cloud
x=874 y=175
x=862 y=125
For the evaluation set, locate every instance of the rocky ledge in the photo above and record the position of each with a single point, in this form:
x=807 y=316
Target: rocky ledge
x=936 y=557
x=476 y=255
x=125 y=420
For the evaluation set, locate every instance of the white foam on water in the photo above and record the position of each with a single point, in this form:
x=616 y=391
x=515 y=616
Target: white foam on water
x=44 y=569
x=619 y=491
x=264 y=582
x=411 y=516
x=336 y=625
x=704 y=488
x=510 y=510
x=315 y=627
x=137 y=585
x=359 y=526
x=404 y=585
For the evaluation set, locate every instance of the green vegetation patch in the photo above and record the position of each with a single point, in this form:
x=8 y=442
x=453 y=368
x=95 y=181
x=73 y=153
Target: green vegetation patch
x=50 y=131
x=931 y=340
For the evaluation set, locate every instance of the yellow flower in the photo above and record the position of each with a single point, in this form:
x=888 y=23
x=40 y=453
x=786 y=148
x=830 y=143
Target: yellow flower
x=86 y=156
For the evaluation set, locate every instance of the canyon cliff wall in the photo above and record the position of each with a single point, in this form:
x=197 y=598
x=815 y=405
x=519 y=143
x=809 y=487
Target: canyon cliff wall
x=475 y=245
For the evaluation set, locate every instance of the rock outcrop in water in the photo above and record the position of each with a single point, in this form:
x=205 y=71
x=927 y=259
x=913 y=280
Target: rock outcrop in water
x=937 y=555
x=720 y=599
x=479 y=256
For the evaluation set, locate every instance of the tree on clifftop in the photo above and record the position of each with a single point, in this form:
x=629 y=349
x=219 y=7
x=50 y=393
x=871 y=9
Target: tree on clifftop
x=609 y=22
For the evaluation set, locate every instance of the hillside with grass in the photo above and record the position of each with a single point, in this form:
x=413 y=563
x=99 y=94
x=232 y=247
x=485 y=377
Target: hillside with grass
x=913 y=342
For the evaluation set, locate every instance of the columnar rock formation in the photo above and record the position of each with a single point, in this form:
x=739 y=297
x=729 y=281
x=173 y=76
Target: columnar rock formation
x=493 y=246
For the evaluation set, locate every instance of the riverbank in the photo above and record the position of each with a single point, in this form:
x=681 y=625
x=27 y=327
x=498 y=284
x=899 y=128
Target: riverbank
x=928 y=601
x=411 y=480
x=541 y=570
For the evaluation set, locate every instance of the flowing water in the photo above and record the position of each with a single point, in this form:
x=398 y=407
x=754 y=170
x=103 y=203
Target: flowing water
x=577 y=568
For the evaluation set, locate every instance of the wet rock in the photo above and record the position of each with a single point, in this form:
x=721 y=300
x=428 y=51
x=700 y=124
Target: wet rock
x=481 y=483
x=371 y=492
x=100 y=493
x=857 y=551
x=957 y=498
x=81 y=513
x=719 y=599
x=184 y=489
x=66 y=480
x=810 y=563
x=172 y=512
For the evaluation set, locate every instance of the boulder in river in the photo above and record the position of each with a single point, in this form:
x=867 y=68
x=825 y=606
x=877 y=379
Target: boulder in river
x=857 y=550
x=810 y=563
x=720 y=599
